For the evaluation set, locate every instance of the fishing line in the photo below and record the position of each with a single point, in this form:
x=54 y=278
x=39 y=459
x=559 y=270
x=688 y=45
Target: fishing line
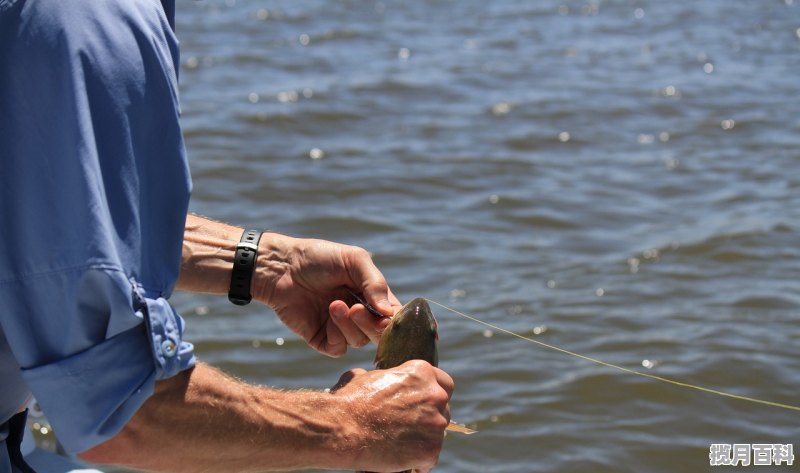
x=621 y=368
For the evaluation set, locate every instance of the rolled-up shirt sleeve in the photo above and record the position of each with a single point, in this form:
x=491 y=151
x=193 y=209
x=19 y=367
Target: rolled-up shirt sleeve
x=94 y=190
x=131 y=341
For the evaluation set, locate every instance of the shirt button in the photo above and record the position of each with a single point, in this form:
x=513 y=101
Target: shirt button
x=168 y=348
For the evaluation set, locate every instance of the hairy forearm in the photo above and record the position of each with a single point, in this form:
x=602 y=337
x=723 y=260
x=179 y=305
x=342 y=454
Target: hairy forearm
x=209 y=248
x=208 y=252
x=203 y=420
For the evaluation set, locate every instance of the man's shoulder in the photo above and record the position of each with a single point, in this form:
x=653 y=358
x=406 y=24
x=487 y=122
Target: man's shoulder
x=75 y=20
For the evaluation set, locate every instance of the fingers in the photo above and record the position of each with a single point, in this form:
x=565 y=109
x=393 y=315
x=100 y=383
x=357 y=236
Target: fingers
x=352 y=333
x=329 y=340
x=366 y=322
x=445 y=381
x=366 y=276
x=409 y=406
x=394 y=301
x=441 y=378
x=378 y=294
x=357 y=324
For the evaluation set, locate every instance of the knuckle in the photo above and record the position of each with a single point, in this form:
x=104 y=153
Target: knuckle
x=441 y=424
x=441 y=397
x=418 y=365
x=359 y=252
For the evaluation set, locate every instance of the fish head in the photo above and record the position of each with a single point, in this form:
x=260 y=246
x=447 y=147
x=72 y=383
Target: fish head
x=411 y=335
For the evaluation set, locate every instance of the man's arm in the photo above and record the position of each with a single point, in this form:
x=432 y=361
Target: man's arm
x=303 y=280
x=208 y=250
x=203 y=420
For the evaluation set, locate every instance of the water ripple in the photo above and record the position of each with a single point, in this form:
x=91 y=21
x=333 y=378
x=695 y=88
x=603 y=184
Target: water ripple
x=623 y=174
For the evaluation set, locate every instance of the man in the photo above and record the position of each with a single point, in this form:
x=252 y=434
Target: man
x=94 y=190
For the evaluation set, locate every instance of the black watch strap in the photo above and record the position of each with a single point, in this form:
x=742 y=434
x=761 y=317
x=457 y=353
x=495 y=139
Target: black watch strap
x=244 y=262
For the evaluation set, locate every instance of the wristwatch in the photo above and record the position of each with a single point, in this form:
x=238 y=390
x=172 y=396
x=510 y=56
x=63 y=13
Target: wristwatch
x=244 y=262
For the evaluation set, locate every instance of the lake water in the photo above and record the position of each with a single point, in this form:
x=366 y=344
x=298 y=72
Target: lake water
x=617 y=178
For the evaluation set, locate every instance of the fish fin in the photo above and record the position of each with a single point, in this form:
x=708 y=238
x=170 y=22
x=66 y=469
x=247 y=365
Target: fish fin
x=460 y=428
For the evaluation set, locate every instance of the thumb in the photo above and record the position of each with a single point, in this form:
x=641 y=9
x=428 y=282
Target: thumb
x=379 y=296
x=369 y=278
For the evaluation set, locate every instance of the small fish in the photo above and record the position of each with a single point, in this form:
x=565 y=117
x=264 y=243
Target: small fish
x=412 y=335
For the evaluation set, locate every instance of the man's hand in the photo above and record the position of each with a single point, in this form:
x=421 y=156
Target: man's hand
x=306 y=281
x=402 y=414
x=202 y=420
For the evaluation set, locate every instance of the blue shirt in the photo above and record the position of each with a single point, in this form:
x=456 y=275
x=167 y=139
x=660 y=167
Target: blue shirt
x=94 y=190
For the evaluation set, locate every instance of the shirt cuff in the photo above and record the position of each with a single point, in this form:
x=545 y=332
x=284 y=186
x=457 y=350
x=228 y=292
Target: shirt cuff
x=90 y=396
x=170 y=353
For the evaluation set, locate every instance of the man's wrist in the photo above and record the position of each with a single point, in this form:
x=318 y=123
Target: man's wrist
x=341 y=448
x=272 y=262
x=208 y=252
